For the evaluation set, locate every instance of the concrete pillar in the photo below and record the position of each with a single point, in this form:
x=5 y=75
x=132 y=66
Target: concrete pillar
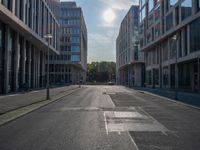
x=29 y=57
x=6 y=60
x=169 y=76
x=16 y=62
x=13 y=5
x=23 y=61
x=199 y=73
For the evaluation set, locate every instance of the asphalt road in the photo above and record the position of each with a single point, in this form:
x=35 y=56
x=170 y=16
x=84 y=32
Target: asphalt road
x=105 y=118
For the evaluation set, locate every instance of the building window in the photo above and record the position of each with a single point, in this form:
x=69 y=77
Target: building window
x=157 y=30
x=75 y=48
x=75 y=40
x=177 y=15
x=198 y=5
x=149 y=77
x=7 y=3
x=169 y=21
x=142 y=2
x=150 y=20
x=172 y=46
x=151 y=5
x=157 y=13
x=143 y=13
x=165 y=50
x=186 y=9
x=173 y=2
x=75 y=58
x=165 y=76
x=195 y=35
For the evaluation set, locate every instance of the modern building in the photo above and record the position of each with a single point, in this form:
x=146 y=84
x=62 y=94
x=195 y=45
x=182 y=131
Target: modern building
x=70 y=67
x=129 y=59
x=170 y=38
x=23 y=48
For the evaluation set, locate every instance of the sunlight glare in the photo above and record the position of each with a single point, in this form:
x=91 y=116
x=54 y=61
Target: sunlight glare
x=109 y=16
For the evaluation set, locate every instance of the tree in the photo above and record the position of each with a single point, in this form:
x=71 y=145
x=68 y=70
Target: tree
x=101 y=71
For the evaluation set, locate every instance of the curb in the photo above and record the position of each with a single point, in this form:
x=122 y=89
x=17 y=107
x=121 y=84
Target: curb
x=22 y=111
x=35 y=102
x=168 y=99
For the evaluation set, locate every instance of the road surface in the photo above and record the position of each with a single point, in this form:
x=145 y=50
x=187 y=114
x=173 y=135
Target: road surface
x=105 y=118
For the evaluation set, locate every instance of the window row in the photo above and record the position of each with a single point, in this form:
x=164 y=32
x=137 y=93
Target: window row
x=70 y=21
x=68 y=39
x=70 y=48
x=70 y=13
x=74 y=30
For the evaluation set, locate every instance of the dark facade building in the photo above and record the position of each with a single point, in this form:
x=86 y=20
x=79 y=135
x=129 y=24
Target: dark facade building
x=129 y=59
x=23 y=48
x=170 y=38
x=71 y=65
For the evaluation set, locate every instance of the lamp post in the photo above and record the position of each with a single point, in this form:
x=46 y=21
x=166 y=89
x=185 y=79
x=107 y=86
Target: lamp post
x=48 y=37
x=176 y=70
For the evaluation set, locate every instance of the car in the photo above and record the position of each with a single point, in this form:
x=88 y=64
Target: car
x=111 y=83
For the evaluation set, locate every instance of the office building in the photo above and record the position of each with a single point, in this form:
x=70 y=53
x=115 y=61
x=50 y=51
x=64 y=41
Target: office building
x=23 y=47
x=70 y=67
x=170 y=38
x=129 y=59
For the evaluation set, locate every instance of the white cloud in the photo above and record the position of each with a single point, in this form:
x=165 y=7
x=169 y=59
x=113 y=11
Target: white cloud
x=120 y=4
x=101 y=47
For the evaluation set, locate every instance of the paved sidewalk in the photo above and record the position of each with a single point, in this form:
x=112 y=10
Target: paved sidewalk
x=15 y=101
x=185 y=97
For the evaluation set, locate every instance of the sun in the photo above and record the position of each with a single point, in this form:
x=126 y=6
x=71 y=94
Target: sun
x=109 y=16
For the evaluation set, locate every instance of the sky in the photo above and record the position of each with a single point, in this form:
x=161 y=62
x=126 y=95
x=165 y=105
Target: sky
x=103 y=18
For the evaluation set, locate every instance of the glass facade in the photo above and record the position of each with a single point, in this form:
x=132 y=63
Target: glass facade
x=150 y=5
x=186 y=9
x=75 y=58
x=169 y=21
x=173 y=2
x=75 y=40
x=195 y=35
x=143 y=13
x=75 y=48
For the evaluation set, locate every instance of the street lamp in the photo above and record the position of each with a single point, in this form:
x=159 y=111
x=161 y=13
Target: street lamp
x=176 y=70
x=48 y=37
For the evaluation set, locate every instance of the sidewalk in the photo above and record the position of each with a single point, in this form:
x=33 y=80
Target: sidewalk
x=15 y=101
x=185 y=97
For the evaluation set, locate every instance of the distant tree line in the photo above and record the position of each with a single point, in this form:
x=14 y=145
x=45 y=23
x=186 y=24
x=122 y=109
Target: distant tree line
x=101 y=71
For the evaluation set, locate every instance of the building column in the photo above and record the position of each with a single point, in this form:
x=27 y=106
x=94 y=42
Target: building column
x=6 y=60
x=16 y=63
x=198 y=73
x=29 y=57
x=169 y=76
x=23 y=61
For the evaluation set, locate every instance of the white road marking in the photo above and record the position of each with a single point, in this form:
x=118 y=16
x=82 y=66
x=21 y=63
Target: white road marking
x=13 y=95
x=133 y=141
x=105 y=120
x=34 y=91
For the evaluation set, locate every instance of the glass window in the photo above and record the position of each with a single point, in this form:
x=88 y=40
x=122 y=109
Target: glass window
x=173 y=2
x=198 y=5
x=195 y=35
x=169 y=21
x=75 y=58
x=142 y=2
x=172 y=46
x=186 y=9
x=157 y=13
x=143 y=13
x=151 y=5
x=75 y=39
x=75 y=48
x=157 y=30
